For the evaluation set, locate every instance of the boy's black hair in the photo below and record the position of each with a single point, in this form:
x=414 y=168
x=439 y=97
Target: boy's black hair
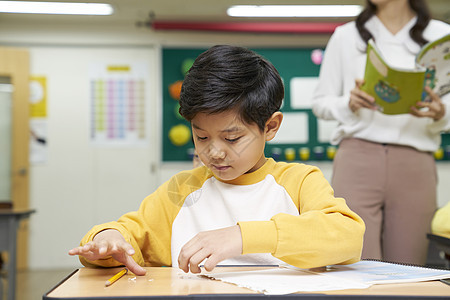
x=230 y=77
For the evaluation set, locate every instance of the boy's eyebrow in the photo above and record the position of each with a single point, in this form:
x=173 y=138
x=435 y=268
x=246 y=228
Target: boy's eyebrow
x=231 y=129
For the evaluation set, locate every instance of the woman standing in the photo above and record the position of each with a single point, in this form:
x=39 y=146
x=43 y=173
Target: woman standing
x=384 y=166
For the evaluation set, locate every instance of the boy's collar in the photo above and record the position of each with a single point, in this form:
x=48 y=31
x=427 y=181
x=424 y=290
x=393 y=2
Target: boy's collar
x=253 y=177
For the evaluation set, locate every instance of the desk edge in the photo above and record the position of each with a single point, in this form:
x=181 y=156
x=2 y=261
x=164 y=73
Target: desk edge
x=59 y=283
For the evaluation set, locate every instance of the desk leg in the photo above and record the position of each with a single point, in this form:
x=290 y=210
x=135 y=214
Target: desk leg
x=11 y=266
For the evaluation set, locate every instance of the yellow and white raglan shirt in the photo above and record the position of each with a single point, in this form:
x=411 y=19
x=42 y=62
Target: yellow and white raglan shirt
x=287 y=213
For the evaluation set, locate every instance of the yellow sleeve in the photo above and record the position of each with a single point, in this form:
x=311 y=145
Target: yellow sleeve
x=148 y=230
x=326 y=231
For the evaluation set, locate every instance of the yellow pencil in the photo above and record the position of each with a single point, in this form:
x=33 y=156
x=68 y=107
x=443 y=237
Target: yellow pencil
x=116 y=277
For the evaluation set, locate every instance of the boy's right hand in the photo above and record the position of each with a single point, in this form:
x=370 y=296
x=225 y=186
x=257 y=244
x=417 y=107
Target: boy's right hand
x=109 y=242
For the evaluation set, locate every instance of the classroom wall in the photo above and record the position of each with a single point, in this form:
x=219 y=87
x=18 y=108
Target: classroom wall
x=81 y=185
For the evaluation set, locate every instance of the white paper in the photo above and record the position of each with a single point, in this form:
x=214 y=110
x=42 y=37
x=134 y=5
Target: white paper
x=282 y=281
x=38 y=140
x=378 y=272
x=360 y=275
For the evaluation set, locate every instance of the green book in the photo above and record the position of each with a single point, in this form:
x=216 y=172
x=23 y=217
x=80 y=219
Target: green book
x=396 y=90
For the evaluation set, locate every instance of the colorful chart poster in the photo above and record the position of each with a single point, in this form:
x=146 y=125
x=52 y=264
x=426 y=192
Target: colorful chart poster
x=118 y=108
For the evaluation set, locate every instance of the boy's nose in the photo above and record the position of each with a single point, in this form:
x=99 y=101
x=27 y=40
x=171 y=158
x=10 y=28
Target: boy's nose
x=216 y=152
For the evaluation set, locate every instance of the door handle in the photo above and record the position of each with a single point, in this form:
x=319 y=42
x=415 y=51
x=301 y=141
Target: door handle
x=22 y=171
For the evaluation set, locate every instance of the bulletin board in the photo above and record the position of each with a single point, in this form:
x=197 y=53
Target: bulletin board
x=302 y=136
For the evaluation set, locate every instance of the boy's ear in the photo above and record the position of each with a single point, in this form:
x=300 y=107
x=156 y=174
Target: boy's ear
x=272 y=125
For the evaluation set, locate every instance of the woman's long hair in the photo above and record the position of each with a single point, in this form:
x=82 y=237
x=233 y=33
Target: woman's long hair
x=416 y=32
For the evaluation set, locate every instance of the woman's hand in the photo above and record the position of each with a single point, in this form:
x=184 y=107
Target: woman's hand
x=359 y=99
x=436 y=109
x=109 y=242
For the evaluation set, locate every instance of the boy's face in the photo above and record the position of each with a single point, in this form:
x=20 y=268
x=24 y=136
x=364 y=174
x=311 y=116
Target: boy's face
x=228 y=146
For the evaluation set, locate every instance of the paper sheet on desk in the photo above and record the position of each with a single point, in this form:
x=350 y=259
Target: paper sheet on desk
x=359 y=275
x=286 y=281
x=380 y=272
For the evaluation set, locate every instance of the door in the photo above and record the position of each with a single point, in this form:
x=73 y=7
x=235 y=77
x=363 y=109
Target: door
x=14 y=138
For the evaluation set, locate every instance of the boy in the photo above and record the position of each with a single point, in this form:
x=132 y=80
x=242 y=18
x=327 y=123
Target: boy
x=240 y=207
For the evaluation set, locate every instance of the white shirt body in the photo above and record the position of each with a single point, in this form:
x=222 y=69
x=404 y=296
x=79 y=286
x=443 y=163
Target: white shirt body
x=230 y=204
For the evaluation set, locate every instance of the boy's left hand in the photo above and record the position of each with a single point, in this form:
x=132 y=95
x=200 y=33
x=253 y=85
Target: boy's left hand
x=214 y=245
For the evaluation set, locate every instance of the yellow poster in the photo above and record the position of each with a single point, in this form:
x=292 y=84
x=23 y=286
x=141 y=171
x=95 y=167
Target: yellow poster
x=38 y=97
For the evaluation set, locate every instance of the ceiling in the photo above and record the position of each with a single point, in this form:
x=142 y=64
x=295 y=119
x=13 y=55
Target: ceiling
x=139 y=11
